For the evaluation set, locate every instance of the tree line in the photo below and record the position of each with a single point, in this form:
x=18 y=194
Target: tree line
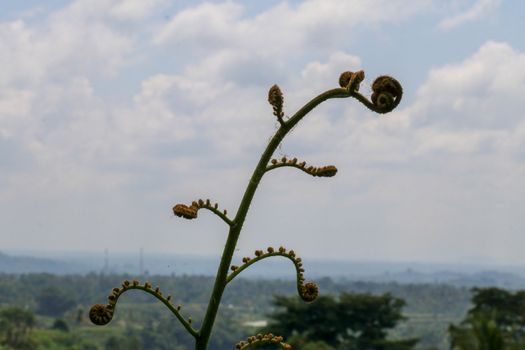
x=348 y=315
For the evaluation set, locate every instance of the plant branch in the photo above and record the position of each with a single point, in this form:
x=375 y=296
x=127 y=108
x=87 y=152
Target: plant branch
x=260 y=339
x=102 y=314
x=307 y=291
x=325 y=171
x=235 y=229
x=190 y=212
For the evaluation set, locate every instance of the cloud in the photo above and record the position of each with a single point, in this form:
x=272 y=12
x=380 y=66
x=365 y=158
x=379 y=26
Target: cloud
x=85 y=129
x=283 y=29
x=436 y=174
x=480 y=10
x=49 y=111
x=337 y=63
x=480 y=93
x=470 y=108
x=132 y=9
x=63 y=46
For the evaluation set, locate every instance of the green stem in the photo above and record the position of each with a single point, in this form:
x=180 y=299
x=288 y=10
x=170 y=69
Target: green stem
x=237 y=223
x=219 y=214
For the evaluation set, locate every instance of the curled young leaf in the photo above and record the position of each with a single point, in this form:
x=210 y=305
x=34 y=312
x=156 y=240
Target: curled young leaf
x=351 y=80
x=182 y=210
x=275 y=97
x=190 y=212
x=309 y=292
x=386 y=93
x=101 y=314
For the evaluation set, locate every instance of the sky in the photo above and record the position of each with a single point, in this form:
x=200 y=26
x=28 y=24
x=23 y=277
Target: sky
x=113 y=111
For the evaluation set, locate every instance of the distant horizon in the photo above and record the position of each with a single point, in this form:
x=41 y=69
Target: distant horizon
x=43 y=253
x=461 y=275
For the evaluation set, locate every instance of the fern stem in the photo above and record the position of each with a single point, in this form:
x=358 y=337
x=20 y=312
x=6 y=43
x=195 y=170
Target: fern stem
x=238 y=221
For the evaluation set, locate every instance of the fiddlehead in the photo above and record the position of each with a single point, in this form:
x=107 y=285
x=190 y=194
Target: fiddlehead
x=307 y=291
x=324 y=171
x=351 y=80
x=261 y=339
x=275 y=97
x=386 y=91
x=101 y=314
x=190 y=212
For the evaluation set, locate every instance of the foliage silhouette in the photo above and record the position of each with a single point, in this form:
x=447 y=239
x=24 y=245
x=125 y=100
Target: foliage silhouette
x=353 y=321
x=15 y=326
x=495 y=322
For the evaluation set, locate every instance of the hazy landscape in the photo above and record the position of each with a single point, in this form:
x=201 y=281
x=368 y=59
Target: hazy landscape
x=120 y=119
x=60 y=289
x=468 y=275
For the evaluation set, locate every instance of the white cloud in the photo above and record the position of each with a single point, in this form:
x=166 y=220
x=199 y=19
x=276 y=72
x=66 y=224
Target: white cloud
x=337 y=63
x=479 y=10
x=206 y=22
x=133 y=9
x=482 y=92
x=283 y=29
x=466 y=109
x=436 y=173
x=48 y=108
x=194 y=127
x=61 y=47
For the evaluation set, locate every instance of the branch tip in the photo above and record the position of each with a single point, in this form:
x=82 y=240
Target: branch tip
x=101 y=314
x=190 y=212
x=260 y=339
x=307 y=291
x=275 y=98
x=324 y=171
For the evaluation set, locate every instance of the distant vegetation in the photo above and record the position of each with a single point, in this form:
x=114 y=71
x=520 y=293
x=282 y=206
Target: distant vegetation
x=495 y=322
x=167 y=264
x=61 y=322
x=348 y=321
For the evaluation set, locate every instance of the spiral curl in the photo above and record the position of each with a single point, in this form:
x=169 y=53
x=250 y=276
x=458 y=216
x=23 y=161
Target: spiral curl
x=386 y=93
x=190 y=212
x=324 y=171
x=101 y=314
x=275 y=98
x=351 y=80
x=308 y=291
x=186 y=212
x=260 y=339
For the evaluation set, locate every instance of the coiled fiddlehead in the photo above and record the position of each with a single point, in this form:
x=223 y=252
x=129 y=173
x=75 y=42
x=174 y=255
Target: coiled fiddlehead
x=351 y=80
x=190 y=212
x=386 y=91
x=275 y=98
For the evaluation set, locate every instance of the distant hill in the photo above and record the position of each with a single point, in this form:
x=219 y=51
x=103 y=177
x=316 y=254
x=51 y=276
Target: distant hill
x=166 y=264
x=28 y=264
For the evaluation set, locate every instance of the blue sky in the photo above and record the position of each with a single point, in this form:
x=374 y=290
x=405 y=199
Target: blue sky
x=111 y=112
